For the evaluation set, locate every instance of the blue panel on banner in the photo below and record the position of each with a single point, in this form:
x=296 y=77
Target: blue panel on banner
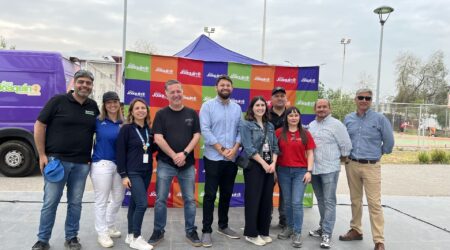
x=135 y=89
x=241 y=97
x=308 y=78
x=212 y=70
x=237 y=198
x=307 y=119
x=201 y=170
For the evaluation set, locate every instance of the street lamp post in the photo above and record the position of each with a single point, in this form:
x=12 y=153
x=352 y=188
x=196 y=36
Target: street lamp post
x=345 y=42
x=383 y=13
x=209 y=31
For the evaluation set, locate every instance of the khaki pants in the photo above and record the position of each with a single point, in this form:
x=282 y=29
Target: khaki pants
x=367 y=176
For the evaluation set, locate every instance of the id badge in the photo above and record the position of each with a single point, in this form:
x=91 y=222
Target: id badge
x=266 y=147
x=145 y=158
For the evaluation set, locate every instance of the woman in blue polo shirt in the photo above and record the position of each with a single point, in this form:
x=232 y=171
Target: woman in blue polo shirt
x=104 y=176
x=135 y=146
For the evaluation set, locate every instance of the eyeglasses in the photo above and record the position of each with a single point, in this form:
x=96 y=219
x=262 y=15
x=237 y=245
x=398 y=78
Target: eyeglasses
x=367 y=98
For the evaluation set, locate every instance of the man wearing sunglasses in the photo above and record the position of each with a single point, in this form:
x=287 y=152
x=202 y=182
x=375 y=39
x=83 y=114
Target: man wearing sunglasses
x=372 y=136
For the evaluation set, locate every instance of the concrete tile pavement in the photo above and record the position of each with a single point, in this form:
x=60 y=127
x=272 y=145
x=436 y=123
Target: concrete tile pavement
x=19 y=223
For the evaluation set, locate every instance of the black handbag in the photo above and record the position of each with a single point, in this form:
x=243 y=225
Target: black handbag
x=243 y=161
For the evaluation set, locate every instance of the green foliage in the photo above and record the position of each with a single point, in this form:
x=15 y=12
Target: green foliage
x=341 y=105
x=423 y=157
x=439 y=156
x=4 y=44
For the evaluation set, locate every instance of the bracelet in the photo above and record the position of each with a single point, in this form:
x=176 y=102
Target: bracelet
x=309 y=171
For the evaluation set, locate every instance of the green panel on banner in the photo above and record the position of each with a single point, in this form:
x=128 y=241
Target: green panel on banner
x=308 y=198
x=208 y=93
x=202 y=147
x=239 y=176
x=138 y=66
x=240 y=74
x=305 y=100
x=201 y=195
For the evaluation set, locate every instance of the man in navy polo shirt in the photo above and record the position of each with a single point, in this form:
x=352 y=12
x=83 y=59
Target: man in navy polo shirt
x=64 y=130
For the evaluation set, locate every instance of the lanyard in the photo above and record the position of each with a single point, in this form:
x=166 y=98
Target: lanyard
x=145 y=145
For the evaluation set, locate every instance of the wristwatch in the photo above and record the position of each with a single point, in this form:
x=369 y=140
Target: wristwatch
x=309 y=171
x=185 y=153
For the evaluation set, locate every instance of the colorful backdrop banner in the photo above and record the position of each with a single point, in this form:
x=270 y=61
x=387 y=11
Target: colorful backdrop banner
x=145 y=76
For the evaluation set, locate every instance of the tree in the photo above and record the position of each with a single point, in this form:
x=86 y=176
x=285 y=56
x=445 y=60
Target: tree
x=4 y=44
x=144 y=46
x=341 y=105
x=365 y=80
x=421 y=82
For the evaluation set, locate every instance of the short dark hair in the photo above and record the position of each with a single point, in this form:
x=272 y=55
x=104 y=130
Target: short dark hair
x=223 y=77
x=83 y=73
x=171 y=82
x=250 y=115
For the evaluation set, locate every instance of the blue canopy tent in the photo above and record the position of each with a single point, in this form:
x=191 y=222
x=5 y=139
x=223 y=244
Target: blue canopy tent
x=204 y=48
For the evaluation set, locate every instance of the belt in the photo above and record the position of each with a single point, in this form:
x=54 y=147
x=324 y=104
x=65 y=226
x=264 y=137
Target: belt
x=362 y=161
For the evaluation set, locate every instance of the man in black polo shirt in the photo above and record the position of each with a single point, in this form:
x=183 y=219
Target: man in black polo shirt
x=177 y=131
x=279 y=101
x=64 y=131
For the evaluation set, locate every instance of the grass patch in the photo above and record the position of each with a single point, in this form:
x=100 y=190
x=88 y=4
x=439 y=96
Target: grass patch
x=423 y=157
x=401 y=157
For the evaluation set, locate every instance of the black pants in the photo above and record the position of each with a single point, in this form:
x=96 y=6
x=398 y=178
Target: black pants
x=218 y=174
x=258 y=200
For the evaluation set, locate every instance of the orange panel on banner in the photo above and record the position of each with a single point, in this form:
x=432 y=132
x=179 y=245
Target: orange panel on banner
x=153 y=111
x=291 y=95
x=164 y=68
x=177 y=197
x=276 y=195
x=262 y=77
x=155 y=164
x=192 y=96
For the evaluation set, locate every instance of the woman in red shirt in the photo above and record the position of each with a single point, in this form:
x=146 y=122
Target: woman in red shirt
x=295 y=164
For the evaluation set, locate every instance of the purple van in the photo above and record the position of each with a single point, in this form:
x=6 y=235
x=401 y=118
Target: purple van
x=27 y=81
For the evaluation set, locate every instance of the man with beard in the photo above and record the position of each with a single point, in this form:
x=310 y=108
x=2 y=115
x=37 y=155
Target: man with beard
x=279 y=101
x=219 y=121
x=63 y=132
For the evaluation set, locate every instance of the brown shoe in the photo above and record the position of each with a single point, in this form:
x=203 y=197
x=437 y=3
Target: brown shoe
x=352 y=234
x=379 y=246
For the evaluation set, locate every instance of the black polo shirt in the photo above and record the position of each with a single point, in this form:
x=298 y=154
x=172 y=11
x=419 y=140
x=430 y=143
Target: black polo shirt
x=70 y=128
x=276 y=120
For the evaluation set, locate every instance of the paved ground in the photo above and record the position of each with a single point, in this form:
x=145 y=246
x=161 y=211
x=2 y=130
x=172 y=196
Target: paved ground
x=416 y=200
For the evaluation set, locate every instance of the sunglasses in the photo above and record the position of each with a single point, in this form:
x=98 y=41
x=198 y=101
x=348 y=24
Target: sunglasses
x=367 y=98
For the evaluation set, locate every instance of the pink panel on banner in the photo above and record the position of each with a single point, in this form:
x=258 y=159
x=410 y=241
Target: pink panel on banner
x=151 y=191
x=190 y=71
x=258 y=92
x=286 y=77
x=158 y=94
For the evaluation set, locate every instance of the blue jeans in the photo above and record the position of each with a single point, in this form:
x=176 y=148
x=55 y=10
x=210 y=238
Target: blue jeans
x=138 y=201
x=324 y=186
x=186 y=178
x=75 y=175
x=291 y=183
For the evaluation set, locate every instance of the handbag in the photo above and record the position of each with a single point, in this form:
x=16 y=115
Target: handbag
x=243 y=161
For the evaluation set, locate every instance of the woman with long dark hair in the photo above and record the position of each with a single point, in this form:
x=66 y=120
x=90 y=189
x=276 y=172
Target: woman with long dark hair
x=261 y=147
x=294 y=172
x=135 y=146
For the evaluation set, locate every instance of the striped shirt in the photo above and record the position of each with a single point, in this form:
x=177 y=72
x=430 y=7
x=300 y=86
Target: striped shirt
x=332 y=141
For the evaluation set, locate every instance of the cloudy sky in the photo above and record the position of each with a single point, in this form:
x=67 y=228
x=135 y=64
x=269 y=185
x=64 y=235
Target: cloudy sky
x=298 y=32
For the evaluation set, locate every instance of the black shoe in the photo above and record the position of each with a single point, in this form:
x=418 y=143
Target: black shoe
x=156 y=237
x=73 y=244
x=39 y=245
x=192 y=238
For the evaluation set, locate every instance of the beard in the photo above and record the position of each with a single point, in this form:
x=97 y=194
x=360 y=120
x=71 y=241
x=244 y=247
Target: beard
x=225 y=95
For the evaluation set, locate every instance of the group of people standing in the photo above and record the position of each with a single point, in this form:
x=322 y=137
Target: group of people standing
x=277 y=146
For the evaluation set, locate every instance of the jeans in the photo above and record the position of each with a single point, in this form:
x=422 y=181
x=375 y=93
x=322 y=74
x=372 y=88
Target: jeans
x=258 y=200
x=138 y=202
x=324 y=186
x=106 y=182
x=290 y=180
x=219 y=174
x=75 y=175
x=186 y=179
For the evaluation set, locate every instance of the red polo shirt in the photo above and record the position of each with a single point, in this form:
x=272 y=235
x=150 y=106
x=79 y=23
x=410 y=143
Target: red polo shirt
x=293 y=152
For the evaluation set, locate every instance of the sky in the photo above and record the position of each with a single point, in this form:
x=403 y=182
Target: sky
x=298 y=32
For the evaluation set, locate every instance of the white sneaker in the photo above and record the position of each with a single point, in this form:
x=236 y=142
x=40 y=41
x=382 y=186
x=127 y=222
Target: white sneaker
x=105 y=241
x=129 y=238
x=140 y=244
x=255 y=240
x=266 y=239
x=114 y=233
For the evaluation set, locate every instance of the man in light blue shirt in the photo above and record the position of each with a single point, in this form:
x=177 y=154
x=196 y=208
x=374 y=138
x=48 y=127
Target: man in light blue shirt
x=372 y=136
x=332 y=143
x=219 y=121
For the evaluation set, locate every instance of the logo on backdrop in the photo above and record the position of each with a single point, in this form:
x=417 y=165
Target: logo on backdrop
x=262 y=79
x=287 y=80
x=308 y=80
x=157 y=94
x=135 y=93
x=164 y=71
x=191 y=73
x=303 y=103
x=138 y=67
x=241 y=78
x=24 y=89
